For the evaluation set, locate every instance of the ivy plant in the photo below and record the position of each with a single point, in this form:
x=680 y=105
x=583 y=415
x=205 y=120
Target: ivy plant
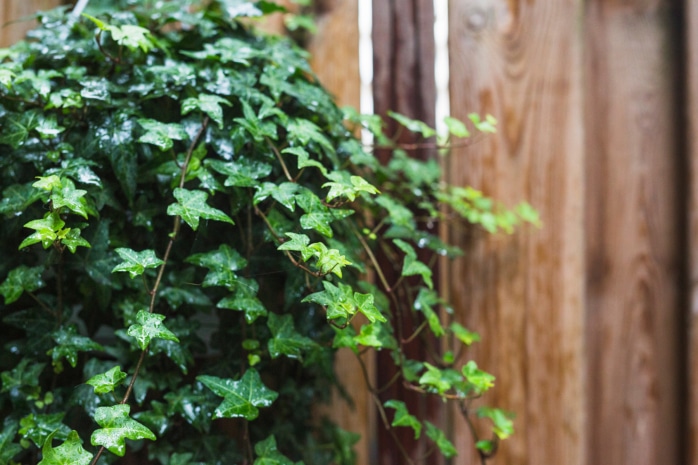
x=191 y=230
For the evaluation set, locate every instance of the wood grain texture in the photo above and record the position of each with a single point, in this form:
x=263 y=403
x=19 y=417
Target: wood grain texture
x=524 y=293
x=692 y=127
x=15 y=18
x=633 y=258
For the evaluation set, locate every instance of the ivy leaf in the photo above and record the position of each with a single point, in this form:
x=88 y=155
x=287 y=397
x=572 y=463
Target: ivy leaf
x=424 y=302
x=107 y=381
x=132 y=37
x=480 y=380
x=8 y=449
x=149 y=326
x=207 y=103
x=69 y=343
x=284 y=193
x=191 y=207
x=403 y=417
x=456 y=127
x=25 y=374
x=339 y=301
x=70 y=452
x=439 y=437
x=19 y=280
x=244 y=299
x=117 y=426
x=302 y=132
x=285 y=340
x=304 y=160
x=268 y=454
x=46 y=230
x=436 y=379
x=412 y=266
x=365 y=304
x=161 y=134
x=73 y=240
x=503 y=421
x=17 y=126
x=48 y=127
x=376 y=335
x=17 y=198
x=242 y=398
x=487 y=126
x=328 y=260
x=413 y=125
x=38 y=427
x=136 y=262
x=344 y=185
x=68 y=196
x=222 y=263
x=243 y=172
x=465 y=336
x=298 y=243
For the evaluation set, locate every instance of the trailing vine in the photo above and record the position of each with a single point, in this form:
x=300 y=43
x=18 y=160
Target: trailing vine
x=189 y=234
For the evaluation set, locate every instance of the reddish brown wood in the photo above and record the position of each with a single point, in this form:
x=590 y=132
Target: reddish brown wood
x=16 y=18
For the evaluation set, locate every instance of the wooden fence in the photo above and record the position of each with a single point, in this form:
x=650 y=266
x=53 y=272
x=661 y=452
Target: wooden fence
x=591 y=322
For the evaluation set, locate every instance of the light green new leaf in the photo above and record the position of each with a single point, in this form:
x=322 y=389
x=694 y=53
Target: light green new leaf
x=481 y=380
x=412 y=266
x=132 y=37
x=439 y=437
x=285 y=340
x=136 y=262
x=161 y=134
x=403 y=417
x=241 y=398
x=70 y=452
x=328 y=260
x=268 y=454
x=376 y=335
x=456 y=127
x=19 y=280
x=107 y=381
x=464 y=335
x=365 y=304
x=73 y=239
x=66 y=195
x=436 y=379
x=298 y=243
x=347 y=186
x=117 y=426
x=48 y=183
x=487 y=126
x=191 y=207
x=503 y=421
x=46 y=230
x=207 y=103
x=413 y=125
x=148 y=327
x=424 y=303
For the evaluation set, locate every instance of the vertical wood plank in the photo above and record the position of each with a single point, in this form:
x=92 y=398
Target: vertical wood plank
x=632 y=233
x=15 y=18
x=691 y=38
x=522 y=63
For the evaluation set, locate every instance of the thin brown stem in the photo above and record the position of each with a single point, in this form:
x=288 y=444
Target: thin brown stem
x=374 y=261
x=281 y=160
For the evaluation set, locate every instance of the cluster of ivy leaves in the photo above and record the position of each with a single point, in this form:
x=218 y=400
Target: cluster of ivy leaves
x=188 y=223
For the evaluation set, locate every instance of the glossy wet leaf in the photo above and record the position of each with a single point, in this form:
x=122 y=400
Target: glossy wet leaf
x=244 y=299
x=285 y=339
x=116 y=427
x=209 y=104
x=70 y=452
x=19 y=280
x=191 y=206
x=108 y=381
x=18 y=197
x=17 y=127
x=412 y=265
x=503 y=424
x=135 y=263
x=69 y=343
x=8 y=449
x=425 y=302
x=268 y=454
x=38 y=427
x=241 y=398
x=46 y=230
x=243 y=172
x=160 y=134
x=148 y=327
x=222 y=264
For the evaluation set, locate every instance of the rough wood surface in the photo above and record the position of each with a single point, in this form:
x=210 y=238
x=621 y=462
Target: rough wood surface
x=16 y=20
x=522 y=63
x=692 y=127
x=633 y=234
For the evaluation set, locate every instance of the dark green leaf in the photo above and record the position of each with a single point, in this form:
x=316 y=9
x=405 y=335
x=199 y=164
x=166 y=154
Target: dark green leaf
x=191 y=207
x=38 y=427
x=285 y=340
x=243 y=172
x=116 y=427
x=268 y=454
x=161 y=134
x=69 y=343
x=17 y=126
x=242 y=398
x=244 y=299
x=480 y=380
x=21 y=279
x=8 y=449
x=209 y=104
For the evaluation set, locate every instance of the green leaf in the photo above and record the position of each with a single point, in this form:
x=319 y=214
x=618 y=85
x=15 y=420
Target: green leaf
x=376 y=335
x=268 y=454
x=47 y=230
x=456 y=127
x=209 y=104
x=135 y=263
x=304 y=160
x=68 y=196
x=299 y=243
x=38 y=427
x=19 y=280
x=285 y=340
x=344 y=185
x=107 y=381
x=17 y=198
x=25 y=374
x=503 y=421
x=241 y=398
x=485 y=445
x=73 y=240
x=465 y=336
x=161 y=134
x=426 y=299
x=17 y=126
x=222 y=263
x=132 y=37
x=439 y=437
x=243 y=172
x=487 y=126
x=48 y=127
x=412 y=266
x=436 y=379
x=244 y=299
x=284 y=193
x=328 y=260
x=69 y=343
x=413 y=125
x=365 y=304
x=70 y=452
x=148 y=327
x=191 y=207
x=8 y=449
x=117 y=426
x=481 y=380
x=403 y=418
